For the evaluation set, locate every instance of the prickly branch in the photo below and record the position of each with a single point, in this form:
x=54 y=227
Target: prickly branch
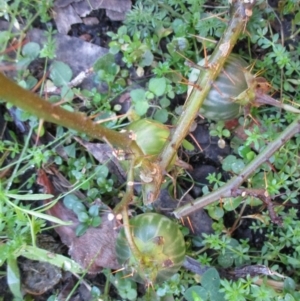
x=240 y=13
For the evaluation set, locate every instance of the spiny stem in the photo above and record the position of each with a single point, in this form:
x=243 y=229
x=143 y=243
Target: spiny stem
x=205 y=80
x=263 y=99
x=226 y=190
x=32 y=103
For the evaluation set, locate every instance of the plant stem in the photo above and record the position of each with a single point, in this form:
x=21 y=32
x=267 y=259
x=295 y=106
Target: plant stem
x=201 y=89
x=263 y=99
x=226 y=190
x=127 y=228
x=32 y=103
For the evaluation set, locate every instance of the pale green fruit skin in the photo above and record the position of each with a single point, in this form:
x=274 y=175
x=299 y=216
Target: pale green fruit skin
x=166 y=257
x=150 y=135
x=219 y=106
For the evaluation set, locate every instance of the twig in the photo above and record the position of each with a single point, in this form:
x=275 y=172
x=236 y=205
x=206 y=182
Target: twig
x=226 y=190
x=261 y=194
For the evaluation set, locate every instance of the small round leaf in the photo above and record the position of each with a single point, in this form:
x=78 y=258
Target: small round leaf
x=60 y=73
x=158 y=86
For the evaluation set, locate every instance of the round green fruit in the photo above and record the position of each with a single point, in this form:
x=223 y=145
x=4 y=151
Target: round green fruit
x=161 y=247
x=219 y=103
x=150 y=135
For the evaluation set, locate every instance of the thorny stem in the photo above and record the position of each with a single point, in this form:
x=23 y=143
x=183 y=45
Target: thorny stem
x=264 y=197
x=128 y=196
x=32 y=103
x=226 y=190
x=26 y=100
x=201 y=89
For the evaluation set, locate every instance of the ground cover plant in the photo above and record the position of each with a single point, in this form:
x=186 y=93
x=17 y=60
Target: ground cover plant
x=185 y=127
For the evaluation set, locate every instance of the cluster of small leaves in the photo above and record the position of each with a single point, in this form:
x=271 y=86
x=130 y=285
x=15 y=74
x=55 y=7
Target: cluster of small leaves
x=157 y=96
x=175 y=286
x=126 y=287
x=228 y=251
x=246 y=289
x=15 y=12
x=209 y=289
x=18 y=227
x=87 y=218
x=282 y=245
x=281 y=63
x=110 y=77
x=174 y=22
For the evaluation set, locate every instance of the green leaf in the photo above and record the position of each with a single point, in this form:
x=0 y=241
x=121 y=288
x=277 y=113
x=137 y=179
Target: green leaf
x=67 y=94
x=68 y=107
x=71 y=150
x=226 y=133
x=102 y=171
x=231 y=163
x=81 y=229
x=228 y=161
x=137 y=95
x=13 y=277
x=187 y=145
x=31 y=50
x=141 y=107
x=60 y=73
x=58 y=260
x=216 y=212
x=147 y=58
x=230 y=204
x=122 y=30
x=94 y=210
x=29 y=197
x=289 y=284
x=196 y=292
x=164 y=102
x=4 y=253
x=225 y=260
x=161 y=115
x=107 y=64
x=83 y=217
x=96 y=293
x=297 y=18
x=238 y=166
x=96 y=221
x=158 y=86
x=293 y=261
x=177 y=45
x=70 y=200
x=114 y=47
x=211 y=280
x=4 y=36
x=30 y=82
x=39 y=215
x=78 y=207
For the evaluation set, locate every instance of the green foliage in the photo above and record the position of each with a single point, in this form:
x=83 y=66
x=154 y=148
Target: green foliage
x=219 y=130
x=13 y=277
x=87 y=218
x=22 y=10
x=209 y=289
x=60 y=73
x=157 y=38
